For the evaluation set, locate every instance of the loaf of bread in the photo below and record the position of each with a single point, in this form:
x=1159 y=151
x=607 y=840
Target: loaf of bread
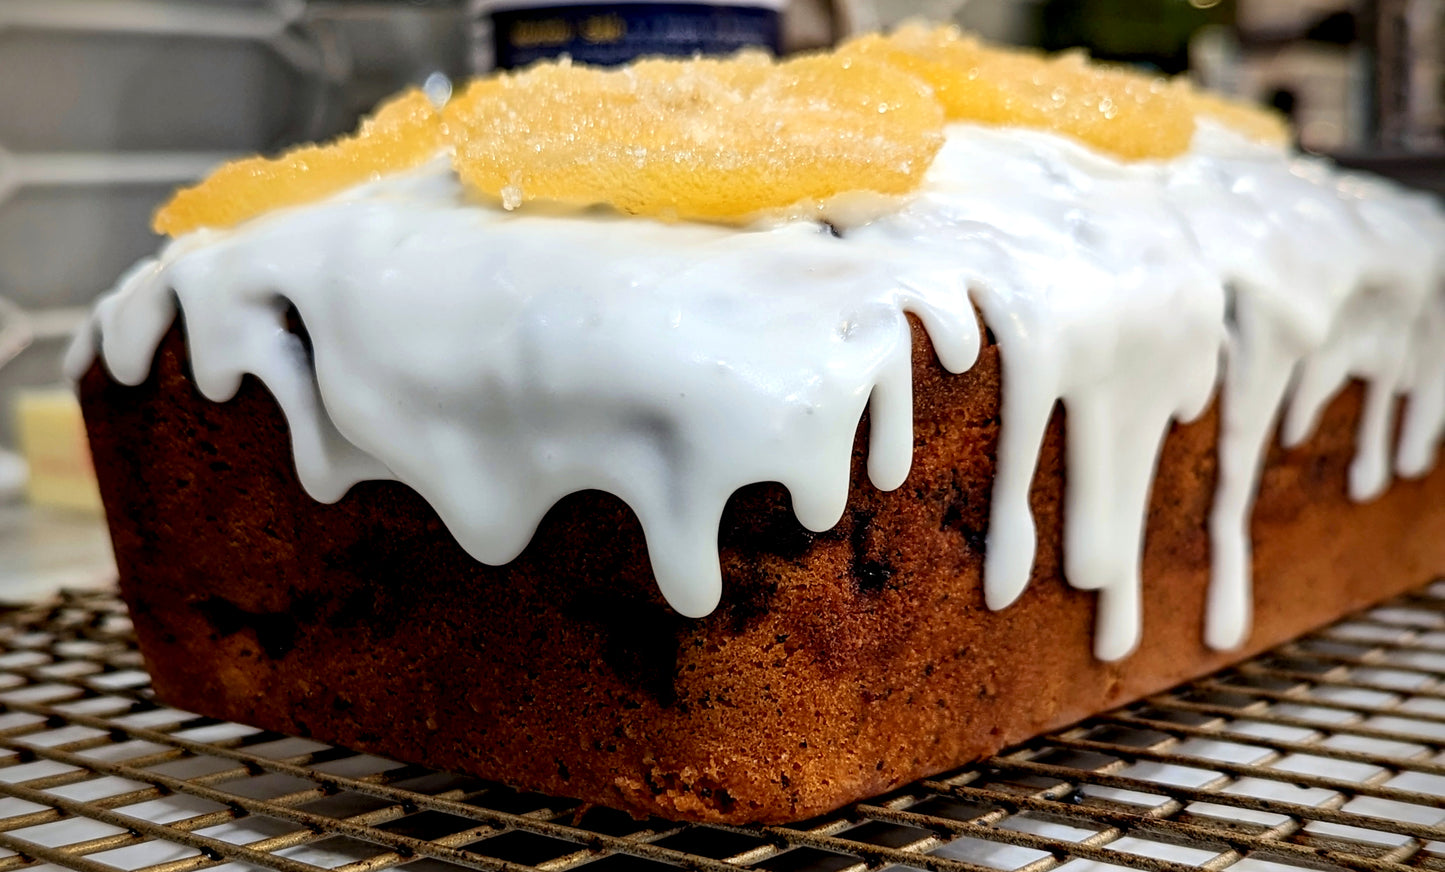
x=941 y=396
x=838 y=665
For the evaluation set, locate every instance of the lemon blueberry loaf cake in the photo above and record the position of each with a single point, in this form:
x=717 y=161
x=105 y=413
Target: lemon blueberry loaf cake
x=730 y=440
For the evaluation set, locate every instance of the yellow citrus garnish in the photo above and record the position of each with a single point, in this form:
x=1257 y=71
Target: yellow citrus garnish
x=706 y=139
x=1119 y=111
x=404 y=133
x=722 y=140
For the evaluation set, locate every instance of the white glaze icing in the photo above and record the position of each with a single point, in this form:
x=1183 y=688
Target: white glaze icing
x=1097 y=297
x=497 y=361
x=1328 y=276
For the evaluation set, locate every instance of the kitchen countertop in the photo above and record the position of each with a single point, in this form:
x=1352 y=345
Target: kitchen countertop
x=44 y=550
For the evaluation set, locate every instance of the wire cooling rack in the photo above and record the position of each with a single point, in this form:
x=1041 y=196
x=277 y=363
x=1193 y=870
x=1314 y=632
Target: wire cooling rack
x=1326 y=753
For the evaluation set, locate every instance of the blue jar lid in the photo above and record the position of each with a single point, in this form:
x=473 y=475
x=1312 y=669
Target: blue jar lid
x=617 y=32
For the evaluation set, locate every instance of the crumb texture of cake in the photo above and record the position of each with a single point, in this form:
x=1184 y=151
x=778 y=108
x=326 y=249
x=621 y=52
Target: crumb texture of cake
x=743 y=521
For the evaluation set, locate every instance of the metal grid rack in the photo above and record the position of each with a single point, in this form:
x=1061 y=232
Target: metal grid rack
x=1326 y=753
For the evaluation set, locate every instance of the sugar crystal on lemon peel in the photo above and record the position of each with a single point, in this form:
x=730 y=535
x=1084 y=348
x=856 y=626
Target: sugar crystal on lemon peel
x=717 y=140
x=1125 y=113
x=403 y=133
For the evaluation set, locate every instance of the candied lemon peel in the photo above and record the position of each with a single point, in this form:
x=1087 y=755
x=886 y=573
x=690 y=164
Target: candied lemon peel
x=1119 y=110
x=729 y=140
x=403 y=133
x=715 y=140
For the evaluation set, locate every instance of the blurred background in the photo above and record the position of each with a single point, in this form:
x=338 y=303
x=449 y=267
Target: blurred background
x=106 y=105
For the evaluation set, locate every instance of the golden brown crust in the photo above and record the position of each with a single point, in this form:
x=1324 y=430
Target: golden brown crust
x=838 y=666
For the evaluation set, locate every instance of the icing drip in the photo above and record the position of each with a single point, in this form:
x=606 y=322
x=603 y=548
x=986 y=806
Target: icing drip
x=1098 y=299
x=554 y=355
x=498 y=361
x=1291 y=253
x=1424 y=422
x=1371 y=332
x=1329 y=276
